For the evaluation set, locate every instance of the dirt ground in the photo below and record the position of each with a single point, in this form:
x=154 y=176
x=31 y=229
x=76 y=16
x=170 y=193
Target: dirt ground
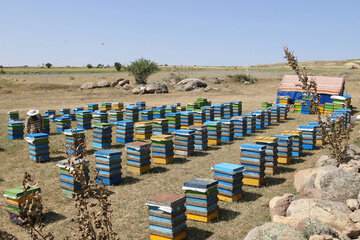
x=128 y=198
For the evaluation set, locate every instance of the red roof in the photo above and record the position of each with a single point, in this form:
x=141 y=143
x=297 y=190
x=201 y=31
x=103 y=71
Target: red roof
x=327 y=85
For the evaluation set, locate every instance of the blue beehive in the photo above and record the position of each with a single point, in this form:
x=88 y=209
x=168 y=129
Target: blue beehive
x=64 y=111
x=75 y=141
x=209 y=113
x=92 y=107
x=38 y=147
x=77 y=109
x=141 y=105
x=267 y=117
x=138 y=157
x=62 y=123
x=51 y=114
x=199 y=117
x=184 y=142
x=218 y=111
x=260 y=118
x=100 y=117
x=173 y=121
x=70 y=115
x=131 y=113
x=102 y=135
x=159 y=112
x=253 y=160
x=229 y=177
x=251 y=123
x=13 y=115
x=271 y=153
x=228 y=110
x=46 y=124
x=309 y=136
x=227 y=130
x=108 y=166
x=115 y=116
x=147 y=114
x=275 y=114
x=237 y=108
x=201 y=136
x=124 y=131
x=83 y=119
x=283 y=111
x=15 y=130
x=214 y=132
x=240 y=126
x=186 y=119
x=284 y=148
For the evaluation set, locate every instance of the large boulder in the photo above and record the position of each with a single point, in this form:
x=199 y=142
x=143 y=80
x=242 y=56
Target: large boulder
x=274 y=231
x=116 y=82
x=122 y=82
x=353 y=151
x=311 y=226
x=88 y=85
x=339 y=185
x=336 y=214
x=278 y=205
x=156 y=87
x=286 y=220
x=352 y=165
x=189 y=84
x=323 y=171
x=139 y=89
x=302 y=177
x=324 y=161
x=127 y=87
x=103 y=83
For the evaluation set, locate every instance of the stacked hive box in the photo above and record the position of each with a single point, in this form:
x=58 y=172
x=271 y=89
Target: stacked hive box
x=297 y=106
x=83 y=119
x=173 y=121
x=124 y=131
x=275 y=114
x=260 y=121
x=74 y=141
x=71 y=116
x=251 y=123
x=214 y=132
x=170 y=109
x=15 y=198
x=271 y=153
x=296 y=149
x=186 y=119
x=253 y=160
x=138 y=157
x=347 y=100
x=228 y=111
x=92 y=107
x=64 y=111
x=13 y=115
x=218 y=111
x=209 y=113
x=267 y=117
x=283 y=111
x=192 y=106
x=105 y=107
x=308 y=135
x=38 y=147
x=100 y=117
x=102 y=135
x=284 y=148
x=118 y=106
x=77 y=109
x=67 y=181
x=160 y=126
x=321 y=108
x=143 y=130
x=162 y=149
x=318 y=133
x=199 y=117
x=201 y=136
x=202 y=102
x=115 y=116
x=46 y=124
x=284 y=100
x=306 y=104
x=15 y=130
x=265 y=105
x=184 y=142
x=159 y=112
x=62 y=123
x=141 y=105
x=146 y=115
x=227 y=130
x=339 y=102
x=237 y=108
x=167 y=217
x=108 y=166
x=230 y=178
x=51 y=114
x=201 y=199
x=240 y=126
x=132 y=113
x=328 y=108
x=180 y=108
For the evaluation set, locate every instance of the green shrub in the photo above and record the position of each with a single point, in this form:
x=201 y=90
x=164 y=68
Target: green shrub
x=118 y=66
x=141 y=69
x=242 y=78
x=48 y=65
x=89 y=66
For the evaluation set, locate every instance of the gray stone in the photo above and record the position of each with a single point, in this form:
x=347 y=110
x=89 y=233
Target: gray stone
x=214 y=80
x=274 y=231
x=302 y=177
x=127 y=87
x=324 y=161
x=336 y=214
x=208 y=89
x=353 y=204
x=88 y=85
x=311 y=226
x=189 y=84
x=116 y=82
x=122 y=82
x=156 y=87
x=355 y=216
x=139 y=90
x=321 y=172
x=103 y=83
x=278 y=205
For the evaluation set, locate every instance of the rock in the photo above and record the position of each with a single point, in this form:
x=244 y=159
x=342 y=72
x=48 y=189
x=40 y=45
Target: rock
x=353 y=204
x=208 y=89
x=214 y=80
x=338 y=185
x=302 y=177
x=325 y=160
x=311 y=226
x=355 y=216
x=320 y=237
x=286 y=220
x=101 y=77
x=279 y=205
x=189 y=84
x=359 y=197
x=122 y=82
x=127 y=87
x=172 y=82
x=103 y=83
x=139 y=90
x=274 y=231
x=198 y=90
x=156 y=87
x=352 y=165
x=354 y=148
x=351 y=232
x=217 y=89
x=323 y=171
x=88 y=85
x=116 y=82
x=335 y=214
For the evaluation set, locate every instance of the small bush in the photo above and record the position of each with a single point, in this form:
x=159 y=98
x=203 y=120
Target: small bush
x=118 y=66
x=89 y=66
x=48 y=65
x=2 y=71
x=72 y=78
x=141 y=69
x=242 y=78
x=100 y=65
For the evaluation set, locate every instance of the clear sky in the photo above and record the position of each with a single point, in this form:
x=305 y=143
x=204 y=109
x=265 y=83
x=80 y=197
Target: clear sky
x=187 y=32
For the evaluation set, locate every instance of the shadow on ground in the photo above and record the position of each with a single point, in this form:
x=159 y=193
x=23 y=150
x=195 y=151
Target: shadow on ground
x=128 y=180
x=52 y=217
x=227 y=215
x=180 y=160
x=271 y=181
x=282 y=169
x=198 y=234
x=158 y=169
x=250 y=196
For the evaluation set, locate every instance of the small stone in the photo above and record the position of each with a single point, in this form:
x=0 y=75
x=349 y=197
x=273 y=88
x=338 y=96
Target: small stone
x=353 y=204
x=355 y=216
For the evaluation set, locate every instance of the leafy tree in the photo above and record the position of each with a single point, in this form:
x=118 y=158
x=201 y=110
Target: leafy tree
x=118 y=66
x=100 y=65
x=48 y=65
x=141 y=69
x=89 y=66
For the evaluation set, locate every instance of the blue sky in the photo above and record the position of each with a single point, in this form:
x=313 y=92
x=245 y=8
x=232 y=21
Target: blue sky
x=187 y=32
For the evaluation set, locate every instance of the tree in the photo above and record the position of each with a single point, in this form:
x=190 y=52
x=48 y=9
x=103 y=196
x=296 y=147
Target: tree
x=100 y=65
x=48 y=65
x=141 y=69
x=118 y=66
x=89 y=66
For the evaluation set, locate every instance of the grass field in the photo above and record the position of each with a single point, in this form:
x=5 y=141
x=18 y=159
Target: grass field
x=59 y=90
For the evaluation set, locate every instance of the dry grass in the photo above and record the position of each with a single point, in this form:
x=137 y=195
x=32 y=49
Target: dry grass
x=130 y=214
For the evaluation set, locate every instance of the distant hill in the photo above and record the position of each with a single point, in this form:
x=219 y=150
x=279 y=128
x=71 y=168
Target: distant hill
x=332 y=64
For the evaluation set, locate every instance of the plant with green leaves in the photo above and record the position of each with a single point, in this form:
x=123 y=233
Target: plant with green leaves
x=118 y=66
x=89 y=66
x=142 y=68
x=48 y=65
